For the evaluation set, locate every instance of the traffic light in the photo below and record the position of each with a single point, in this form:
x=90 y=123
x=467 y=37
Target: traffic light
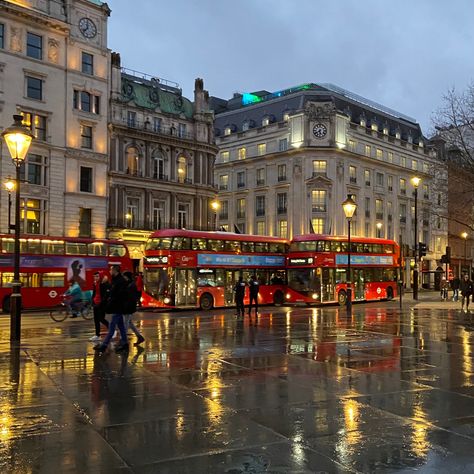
x=421 y=249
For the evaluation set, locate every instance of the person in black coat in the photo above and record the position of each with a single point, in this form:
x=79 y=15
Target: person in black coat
x=239 y=291
x=466 y=292
x=254 y=288
x=116 y=304
x=100 y=295
x=133 y=300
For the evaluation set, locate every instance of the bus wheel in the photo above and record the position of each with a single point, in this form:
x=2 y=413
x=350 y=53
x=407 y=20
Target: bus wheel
x=389 y=293
x=278 y=298
x=342 y=298
x=206 y=302
x=6 y=304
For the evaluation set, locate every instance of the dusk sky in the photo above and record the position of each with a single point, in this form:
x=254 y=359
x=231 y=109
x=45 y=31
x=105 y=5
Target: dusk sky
x=403 y=54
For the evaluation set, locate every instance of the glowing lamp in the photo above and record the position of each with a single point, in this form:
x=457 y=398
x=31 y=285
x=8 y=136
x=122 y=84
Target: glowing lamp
x=349 y=206
x=18 y=139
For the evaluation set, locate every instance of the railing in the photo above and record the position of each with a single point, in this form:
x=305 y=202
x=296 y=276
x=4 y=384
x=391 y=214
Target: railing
x=379 y=216
x=148 y=77
x=223 y=187
x=161 y=177
x=148 y=127
x=353 y=180
x=260 y=182
x=319 y=173
x=185 y=180
x=240 y=215
x=282 y=210
x=403 y=219
x=282 y=178
x=132 y=172
x=318 y=209
x=241 y=185
x=260 y=212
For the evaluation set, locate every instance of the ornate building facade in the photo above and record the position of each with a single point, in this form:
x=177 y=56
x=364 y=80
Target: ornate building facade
x=289 y=159
x=162 y=153
x=54 y=70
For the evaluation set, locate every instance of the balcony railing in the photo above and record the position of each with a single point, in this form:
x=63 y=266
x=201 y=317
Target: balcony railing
x=150 y=225
x=133 y=172
x=282 y=210
x=379 y=216
x=160 y=177
x=318 y=173
x=403 y=219
x=318 y=208
x=240 y=185
x=282 y=177
x=161 y=130
x=352 y=180
x=185 y=180
x=260 y=212
x=240 y=214
x=223 y=187
x=260 y=182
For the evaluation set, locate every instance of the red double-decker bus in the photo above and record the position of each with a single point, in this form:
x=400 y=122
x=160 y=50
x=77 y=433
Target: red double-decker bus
x=47 y=265
x=192 y=269
x=317 y=269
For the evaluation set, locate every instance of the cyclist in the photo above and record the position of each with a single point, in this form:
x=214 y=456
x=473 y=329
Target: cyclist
x=73 y=298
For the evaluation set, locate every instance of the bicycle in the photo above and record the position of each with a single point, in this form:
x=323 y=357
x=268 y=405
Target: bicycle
x=65 y=310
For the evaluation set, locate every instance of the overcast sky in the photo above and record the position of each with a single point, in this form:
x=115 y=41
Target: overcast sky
x=403 y=54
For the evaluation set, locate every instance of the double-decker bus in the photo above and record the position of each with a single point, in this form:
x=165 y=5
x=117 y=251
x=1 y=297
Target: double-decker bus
x=186 y=269
x=48 y=264
x=317 y=269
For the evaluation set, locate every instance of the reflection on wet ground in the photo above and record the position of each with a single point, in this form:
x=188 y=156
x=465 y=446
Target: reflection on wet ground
x=294 y=391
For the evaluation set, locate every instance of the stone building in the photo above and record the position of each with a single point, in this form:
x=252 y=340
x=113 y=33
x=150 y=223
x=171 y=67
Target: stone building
x=288 y=159
x=54 y=66
x=162 y=153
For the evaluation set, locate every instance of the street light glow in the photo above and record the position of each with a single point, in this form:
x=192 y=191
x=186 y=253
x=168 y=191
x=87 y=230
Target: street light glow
x=349 y=206
x=10 y=185
x=464 y=235
x=18 y=139
x=415 y=181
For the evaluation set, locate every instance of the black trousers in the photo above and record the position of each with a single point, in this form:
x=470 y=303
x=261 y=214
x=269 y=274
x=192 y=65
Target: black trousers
x=240 y=306
x=253 y=298
x=99 y=317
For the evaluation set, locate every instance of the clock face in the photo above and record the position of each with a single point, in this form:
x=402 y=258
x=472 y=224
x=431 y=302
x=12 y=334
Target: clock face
x=320 y=130
x=87 y=27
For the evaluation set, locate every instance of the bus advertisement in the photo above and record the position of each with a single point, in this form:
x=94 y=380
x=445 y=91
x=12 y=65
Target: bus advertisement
x=192 y=269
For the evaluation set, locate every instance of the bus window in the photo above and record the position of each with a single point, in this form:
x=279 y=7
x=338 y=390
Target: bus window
x=181 y=243
x=117 y=250
x=53 y=247
x=309 y=246
x=34 y=246
x=277 y=248
x=8 y=245
x=199 y=244
x=7 y=279
x=336 y=246
x=35 y=280
x=97 y=249
x=247 y=247
x=158 y=244
x=388 y=248
x=232 y=246
x=76 y=248
x=261 y=247
x=49 y=280
x=206 y=277
x=23 y=246
x=215 y=245
x=323 y=246
x=277 y=277
x=377 y=248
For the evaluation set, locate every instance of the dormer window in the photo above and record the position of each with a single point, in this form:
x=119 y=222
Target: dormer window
x=265 y=121
x=245 y=126
x=286 y=116
x=398 y=134
x=228 y=130
x=374 y=126
x=363 y=121
x=385 y=128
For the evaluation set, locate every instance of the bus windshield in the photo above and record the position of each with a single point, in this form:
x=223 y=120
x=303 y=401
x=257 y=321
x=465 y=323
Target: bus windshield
x=159 y=244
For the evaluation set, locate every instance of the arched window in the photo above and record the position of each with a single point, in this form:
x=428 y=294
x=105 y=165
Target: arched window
x=133 y=161
x=158 y=167
x=182 y=169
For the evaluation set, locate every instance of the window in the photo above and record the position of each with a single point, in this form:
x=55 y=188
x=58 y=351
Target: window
x=241 y=179
x=367 y=150
x=158 y=165
x=439 y=199
x=260 y=176
x=414 y=165
x=182 y=130
x=379 y=154
x=36 y=166
x=86 y=179
x=52 y=280
x=389 y=211
x=390 y=183
x=261 y=149
x=2 y=35
x=378 y=230
x=156 y=124
x=87 y=102
x=245 y=126
x=403 y=161
x=183 y=215
x=367 y=177
x=32 y=216
x=87 y=63
x=318 y=200
x=282 y=203
x=227 y=131
x=260 y=206
x=224 y=156
x=34 y=46
x=157 y=213
x=132 y=212
x=133 y=161
x=426 y=194
x=281 y=172
x=390 y=157
x=242 y=153
x=317 y=224
x=265 y=121
x=224 y=211
x=352 y=174
x=261 y=228
x=379 y=179
x=34 y=88
x=379 y=209
x=319 y=167
x=85 y=222
x=131 y=118
x=367 y=207
x=403 y=186
x=86 y=137
x=426 y=168
x=283 y=229
x=240 y=208
x=36 y=123
x=403 y=213
x=352 y=146
x=223 y=182
x=283 y=144
x=182 y=169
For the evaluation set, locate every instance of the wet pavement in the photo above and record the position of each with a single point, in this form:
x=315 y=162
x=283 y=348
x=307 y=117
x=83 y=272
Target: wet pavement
x=298 y=390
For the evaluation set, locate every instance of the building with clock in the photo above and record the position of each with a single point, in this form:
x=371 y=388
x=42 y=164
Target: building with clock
x=162 y=154
x=288 y=160
x=54 y=70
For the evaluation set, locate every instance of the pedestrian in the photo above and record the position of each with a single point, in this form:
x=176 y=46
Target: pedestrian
x=254 y=288
x=444 y=289
x=115 y=306
x=139 y=283
x=100 y=295
x=133 y=297
x=239 y=291
x=466 y=292
x=455 y=284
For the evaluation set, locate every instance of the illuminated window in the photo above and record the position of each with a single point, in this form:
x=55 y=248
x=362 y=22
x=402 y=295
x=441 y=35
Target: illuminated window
x=85 y=222
x=390 y=157
x=319 y=167
x=34 y=170
x=352 y=146
x=224 y=210
x=223 y=182
x=414 y=165
x=32 y=216
x=283 y=229
x=133 y=161
x=240 y=208
x=36 y=123
x=261 y=228
x=318 y=225
x=242 y=153
x=318 y=200
x=379 y=209
x=224 y=156
x=227 y=130
x=286 y=116
x=182 y=169
x=183 y=215
x=261 y=149
x=367 y=150
x=367 y=177
x=403 y=186
x=265 y=121
x=352 y=174
x=379 y=154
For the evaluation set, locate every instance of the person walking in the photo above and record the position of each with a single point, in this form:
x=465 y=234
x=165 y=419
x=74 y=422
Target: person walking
x=444 y=289
x=239 y=292
x=254 y=288
x=139 y=283
x=466 y=292
x=455 y=286
x=115 y=305
x=133 y=297
x=100 y=295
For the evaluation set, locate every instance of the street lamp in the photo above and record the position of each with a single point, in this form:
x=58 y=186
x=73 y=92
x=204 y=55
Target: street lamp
x=18 y=139
x=349 y=207
x=416 y=182
x=215 y=206
x=9 y=186
x=464 y=236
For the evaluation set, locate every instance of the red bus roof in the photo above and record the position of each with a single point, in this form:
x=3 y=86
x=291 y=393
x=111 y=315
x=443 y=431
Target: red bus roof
x=85 y=240
x=196 y=234
x=338 y=238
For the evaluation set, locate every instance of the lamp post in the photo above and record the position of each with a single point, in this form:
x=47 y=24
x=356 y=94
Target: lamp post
x=349 y=207
x=464 y=236
x=9 y=186
x=215 y=206
x=18 y=139
x=416 y=182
